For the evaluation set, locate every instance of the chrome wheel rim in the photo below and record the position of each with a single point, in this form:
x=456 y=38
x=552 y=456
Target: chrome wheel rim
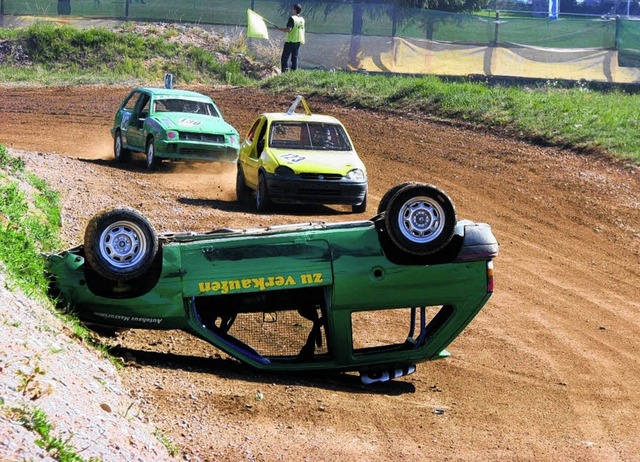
x=150 y=155
x=118 y=149
x=421 y=219
x=123 y=244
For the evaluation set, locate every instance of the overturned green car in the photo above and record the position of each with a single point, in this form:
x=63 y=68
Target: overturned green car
x=376 y=296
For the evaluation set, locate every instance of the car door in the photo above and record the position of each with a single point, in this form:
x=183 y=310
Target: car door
x=135 y=129
x=254 y=146
x=124 y=114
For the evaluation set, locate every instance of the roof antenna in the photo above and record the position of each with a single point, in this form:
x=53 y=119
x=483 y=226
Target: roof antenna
x=299 y=99
x=168 y=81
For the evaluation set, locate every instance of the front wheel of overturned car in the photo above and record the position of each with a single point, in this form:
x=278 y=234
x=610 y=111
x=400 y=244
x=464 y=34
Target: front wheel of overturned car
x=420 y=219
x=120 y=244
x=263 y=203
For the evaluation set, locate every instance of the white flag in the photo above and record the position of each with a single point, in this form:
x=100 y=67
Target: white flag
x=256 y=27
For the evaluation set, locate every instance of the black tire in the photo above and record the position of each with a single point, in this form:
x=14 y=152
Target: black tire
x=152 y=162
x=382 y=206
x=121 y=154
x=420 y=219
x=263 y=202
x=242 y=191
x=120 y=244
x=360 y=208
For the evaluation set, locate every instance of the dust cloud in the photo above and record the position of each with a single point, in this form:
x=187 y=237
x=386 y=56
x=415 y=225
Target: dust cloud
x=102 y=150
x=214 y=180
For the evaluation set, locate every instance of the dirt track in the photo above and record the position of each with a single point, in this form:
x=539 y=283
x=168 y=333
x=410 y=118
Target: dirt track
x=549 y=370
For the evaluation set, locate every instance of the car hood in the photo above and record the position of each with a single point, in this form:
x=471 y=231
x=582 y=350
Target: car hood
x=318 y=161
x=194 y=123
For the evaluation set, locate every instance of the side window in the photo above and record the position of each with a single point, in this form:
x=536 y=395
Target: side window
x=260 y=143
x=144 y=110
x=252 y=132
x=131 y=101
x=212 y=110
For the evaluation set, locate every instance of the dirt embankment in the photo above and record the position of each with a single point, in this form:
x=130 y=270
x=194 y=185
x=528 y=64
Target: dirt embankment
x=549 y=370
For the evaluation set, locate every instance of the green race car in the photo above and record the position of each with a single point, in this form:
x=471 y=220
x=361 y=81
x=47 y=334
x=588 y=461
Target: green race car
x=375 y=296
x=290 y=158
x=172 y=124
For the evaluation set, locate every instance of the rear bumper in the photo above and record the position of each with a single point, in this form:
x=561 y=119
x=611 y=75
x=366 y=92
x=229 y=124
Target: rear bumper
x=292 y=190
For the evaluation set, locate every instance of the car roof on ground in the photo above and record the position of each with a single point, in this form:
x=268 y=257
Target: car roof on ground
x=173 y=92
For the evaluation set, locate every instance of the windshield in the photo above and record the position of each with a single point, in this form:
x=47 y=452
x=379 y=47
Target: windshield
x=185 y=105
x=308 y=135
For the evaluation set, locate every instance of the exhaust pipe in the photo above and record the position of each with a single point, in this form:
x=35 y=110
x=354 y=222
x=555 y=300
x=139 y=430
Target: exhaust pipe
x=385 y=375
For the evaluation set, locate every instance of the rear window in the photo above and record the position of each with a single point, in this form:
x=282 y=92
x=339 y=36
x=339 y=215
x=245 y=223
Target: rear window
x=308 y=135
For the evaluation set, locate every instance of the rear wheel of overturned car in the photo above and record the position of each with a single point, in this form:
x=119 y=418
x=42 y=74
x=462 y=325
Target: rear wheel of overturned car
x=420 y=219
x=263 y=203
x=120 y=244
x=119 y=152
x=242 y=191
x=152 y=161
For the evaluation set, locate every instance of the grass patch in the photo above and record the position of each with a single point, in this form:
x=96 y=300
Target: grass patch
x=36 y=421
x=29 y=223
x=572 y=117
x=172 y=448
x=60 y=54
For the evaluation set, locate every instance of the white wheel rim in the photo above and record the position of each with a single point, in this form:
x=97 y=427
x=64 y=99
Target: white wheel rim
x=150 y=155
x=421 y=220
x=123 y=244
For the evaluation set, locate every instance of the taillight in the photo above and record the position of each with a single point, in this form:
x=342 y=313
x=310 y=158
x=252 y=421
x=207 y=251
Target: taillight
x=490 y=276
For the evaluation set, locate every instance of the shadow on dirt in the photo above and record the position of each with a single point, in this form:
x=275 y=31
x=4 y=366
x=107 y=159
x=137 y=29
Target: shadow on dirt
x=134 y=164
x=227 y=206
x=232 y=369
x=293 y=210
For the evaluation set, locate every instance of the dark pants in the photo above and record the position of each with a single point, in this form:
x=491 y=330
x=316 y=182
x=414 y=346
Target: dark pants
x=290 y=50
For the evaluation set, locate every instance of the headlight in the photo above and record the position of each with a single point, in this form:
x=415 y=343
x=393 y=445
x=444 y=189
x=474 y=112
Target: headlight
x=172 y=135
x=284 y=171
x=233 y=140
x=356 y=175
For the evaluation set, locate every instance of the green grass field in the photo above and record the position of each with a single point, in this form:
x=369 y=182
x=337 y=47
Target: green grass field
x=576 y=117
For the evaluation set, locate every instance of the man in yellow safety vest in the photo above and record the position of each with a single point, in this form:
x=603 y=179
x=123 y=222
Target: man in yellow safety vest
x=295 y=38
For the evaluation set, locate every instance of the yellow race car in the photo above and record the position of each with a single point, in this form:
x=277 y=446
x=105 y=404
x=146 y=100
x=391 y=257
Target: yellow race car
x=296 y=158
